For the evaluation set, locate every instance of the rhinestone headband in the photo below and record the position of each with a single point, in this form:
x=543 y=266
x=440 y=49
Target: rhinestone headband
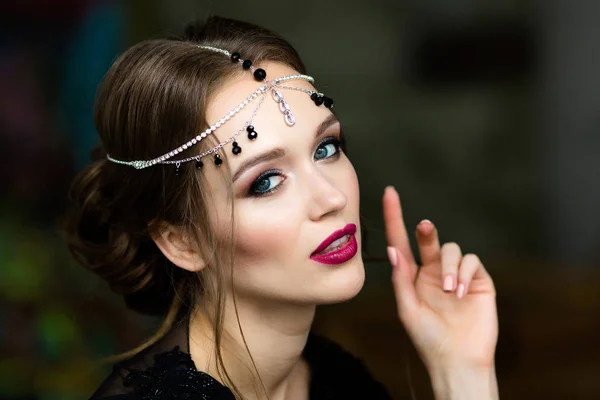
x=260 y=75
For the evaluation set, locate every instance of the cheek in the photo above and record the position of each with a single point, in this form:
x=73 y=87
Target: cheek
x=266 y=230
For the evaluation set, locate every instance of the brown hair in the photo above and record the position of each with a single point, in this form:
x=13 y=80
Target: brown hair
x=153 y=99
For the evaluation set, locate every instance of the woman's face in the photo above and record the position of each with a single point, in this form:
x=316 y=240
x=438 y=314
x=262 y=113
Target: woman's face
x=292 y=189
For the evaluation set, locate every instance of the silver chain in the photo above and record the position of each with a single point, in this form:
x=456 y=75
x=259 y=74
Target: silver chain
x=222 y=144
x=275 y=83
x=307 y=91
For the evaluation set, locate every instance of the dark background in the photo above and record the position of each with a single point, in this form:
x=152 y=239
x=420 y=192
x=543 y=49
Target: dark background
x=484 y=115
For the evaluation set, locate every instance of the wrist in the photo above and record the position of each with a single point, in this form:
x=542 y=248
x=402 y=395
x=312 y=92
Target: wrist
x=465 y=383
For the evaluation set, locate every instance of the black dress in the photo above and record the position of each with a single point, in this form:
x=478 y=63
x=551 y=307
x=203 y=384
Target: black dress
x=165 y=371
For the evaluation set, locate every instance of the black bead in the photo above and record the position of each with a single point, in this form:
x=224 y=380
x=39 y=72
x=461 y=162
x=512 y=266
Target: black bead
x=250 y=128
x=235 y=57
x=252 y=135
x=218 y=160
x=319 y=100
x=177 y=169
x=246 y=64
x=236 y=149
x=314 y=96
x=327 y=101
x=260 y=74
x=199 y=164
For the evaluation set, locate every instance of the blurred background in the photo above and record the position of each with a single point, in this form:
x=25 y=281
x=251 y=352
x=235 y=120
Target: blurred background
x=484 y=115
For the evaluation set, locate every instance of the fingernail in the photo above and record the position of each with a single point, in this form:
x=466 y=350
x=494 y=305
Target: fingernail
x=392 y=255
x=426 y=226
x=448 y=283
x=460 y=292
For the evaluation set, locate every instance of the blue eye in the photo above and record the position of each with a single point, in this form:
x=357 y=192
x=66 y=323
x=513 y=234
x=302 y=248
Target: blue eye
x=271 y=180
x=327 y=148
x=266 y=183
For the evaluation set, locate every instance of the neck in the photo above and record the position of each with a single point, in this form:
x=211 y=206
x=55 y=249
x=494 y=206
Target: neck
x=275 y=337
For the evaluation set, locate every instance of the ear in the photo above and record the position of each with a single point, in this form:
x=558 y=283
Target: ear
x=177 y=248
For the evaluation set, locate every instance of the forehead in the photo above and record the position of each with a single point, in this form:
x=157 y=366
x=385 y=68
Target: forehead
x=269 y=121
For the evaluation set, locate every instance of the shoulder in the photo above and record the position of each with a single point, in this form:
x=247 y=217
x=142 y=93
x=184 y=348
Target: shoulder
x=170 y=374
x=337 y=371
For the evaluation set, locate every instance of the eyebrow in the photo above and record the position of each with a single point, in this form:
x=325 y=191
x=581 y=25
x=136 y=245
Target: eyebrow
x=279 y=152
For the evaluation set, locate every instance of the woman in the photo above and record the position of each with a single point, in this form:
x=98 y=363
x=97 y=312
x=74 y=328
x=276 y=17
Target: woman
x=225 y=203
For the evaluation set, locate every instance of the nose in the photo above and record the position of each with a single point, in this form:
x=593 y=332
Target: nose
x=325 y=198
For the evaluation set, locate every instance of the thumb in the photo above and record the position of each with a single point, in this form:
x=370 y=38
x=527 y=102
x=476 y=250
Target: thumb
x=403 y=283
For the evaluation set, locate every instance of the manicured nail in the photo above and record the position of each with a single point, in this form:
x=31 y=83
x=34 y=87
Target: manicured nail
x=448 y=284
x=460 y=292
x=392 y=255
x=426 y=226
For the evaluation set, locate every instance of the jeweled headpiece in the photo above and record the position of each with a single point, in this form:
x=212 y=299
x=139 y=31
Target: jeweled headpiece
x=260 y=75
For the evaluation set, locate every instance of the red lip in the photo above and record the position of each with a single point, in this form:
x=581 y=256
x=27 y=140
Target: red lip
x=349 y=229
x=340 y=255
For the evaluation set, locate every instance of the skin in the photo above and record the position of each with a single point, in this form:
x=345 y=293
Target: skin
x=277 y=286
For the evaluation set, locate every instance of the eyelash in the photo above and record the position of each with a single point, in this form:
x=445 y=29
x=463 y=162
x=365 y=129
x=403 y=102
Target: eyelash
x=338 y=144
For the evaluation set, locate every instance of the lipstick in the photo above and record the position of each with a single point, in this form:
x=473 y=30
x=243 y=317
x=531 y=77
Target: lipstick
x=338 y=247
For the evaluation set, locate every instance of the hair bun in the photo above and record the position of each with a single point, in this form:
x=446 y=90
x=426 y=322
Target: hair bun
x=116 y=248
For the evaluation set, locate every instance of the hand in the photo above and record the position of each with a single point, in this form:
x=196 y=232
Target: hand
x=448 y=305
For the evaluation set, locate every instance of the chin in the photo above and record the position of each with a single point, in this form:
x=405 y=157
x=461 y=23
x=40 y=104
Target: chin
x=345 y=283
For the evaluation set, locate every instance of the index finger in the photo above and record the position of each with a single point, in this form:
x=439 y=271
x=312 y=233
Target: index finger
x=395 y=230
